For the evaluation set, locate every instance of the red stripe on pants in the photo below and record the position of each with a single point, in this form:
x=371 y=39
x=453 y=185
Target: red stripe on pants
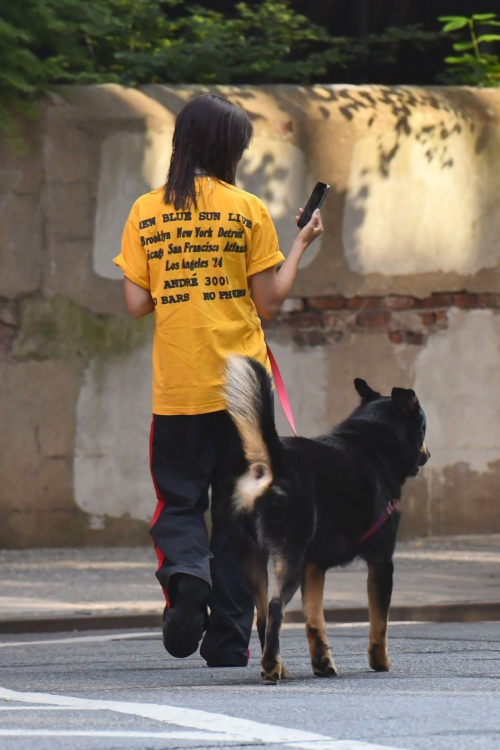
x=159 y=505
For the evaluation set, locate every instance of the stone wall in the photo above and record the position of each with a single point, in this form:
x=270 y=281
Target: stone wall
x=402 y=289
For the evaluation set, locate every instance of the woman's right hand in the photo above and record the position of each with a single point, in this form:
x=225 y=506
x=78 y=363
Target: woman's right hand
x=311 y=230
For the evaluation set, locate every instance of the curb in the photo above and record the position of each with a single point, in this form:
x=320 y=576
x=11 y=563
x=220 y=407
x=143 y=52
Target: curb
x=86 y=622
x=464 y=612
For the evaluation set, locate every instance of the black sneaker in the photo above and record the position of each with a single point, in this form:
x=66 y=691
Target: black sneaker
x=186 y=618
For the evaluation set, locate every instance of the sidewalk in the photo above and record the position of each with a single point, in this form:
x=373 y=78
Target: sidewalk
x=49 y=589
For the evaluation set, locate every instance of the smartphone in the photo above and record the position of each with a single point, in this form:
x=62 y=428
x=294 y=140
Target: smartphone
x=315 y=201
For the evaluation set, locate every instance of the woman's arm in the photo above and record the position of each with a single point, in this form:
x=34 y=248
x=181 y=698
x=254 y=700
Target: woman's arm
x=270 y=288
x=138 y=300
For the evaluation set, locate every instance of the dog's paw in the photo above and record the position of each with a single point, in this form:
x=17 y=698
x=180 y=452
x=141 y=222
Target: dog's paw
x=272 y=677
x=325 y=667
x=274 y=674
x=378 y=658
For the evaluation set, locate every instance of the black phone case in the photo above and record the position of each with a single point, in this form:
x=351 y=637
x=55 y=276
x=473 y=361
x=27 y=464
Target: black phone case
x=306 y=216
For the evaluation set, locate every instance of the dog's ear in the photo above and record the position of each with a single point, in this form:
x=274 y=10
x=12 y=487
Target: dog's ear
x=364 y=390
x=406 y=398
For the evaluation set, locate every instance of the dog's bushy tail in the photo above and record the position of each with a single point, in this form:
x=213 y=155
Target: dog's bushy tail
x=249 y=401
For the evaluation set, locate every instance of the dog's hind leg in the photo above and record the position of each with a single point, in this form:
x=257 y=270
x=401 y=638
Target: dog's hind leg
x=255 y=567
x=313 y=584
x=288 y=576
x=262 y=606
x=379 y=601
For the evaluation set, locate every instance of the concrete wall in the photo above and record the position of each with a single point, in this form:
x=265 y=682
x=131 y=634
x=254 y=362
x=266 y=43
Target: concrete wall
x=402 y=289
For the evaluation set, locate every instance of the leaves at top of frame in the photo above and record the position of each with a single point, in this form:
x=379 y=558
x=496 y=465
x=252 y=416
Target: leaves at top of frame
x=489 y=38
x=478 y=69
x=461 y=46
x=453 y=23
x=456 y=60
x=484 y=16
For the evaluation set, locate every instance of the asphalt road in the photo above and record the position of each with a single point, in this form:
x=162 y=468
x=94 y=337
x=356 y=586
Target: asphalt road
x=105 y=691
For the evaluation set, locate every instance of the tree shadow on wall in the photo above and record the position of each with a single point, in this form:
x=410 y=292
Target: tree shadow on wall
x=167 y=95
x=256 y=180
x=449 y=125
x=278 y=179
x=401 y=134
x=401 y=103
x=370 y=104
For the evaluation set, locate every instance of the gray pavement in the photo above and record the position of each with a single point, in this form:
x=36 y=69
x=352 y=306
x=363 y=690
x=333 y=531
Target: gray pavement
x=121 y=690
x=82 y=582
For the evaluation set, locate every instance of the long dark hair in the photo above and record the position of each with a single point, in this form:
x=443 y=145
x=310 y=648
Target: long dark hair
x=211 y=134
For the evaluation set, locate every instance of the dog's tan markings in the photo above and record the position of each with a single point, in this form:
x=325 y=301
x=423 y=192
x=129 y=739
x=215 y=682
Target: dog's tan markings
x=280 y=571
x=243 y=399
x=250 y=486
x=312 y=600
x=242 y=394
x=379 y=597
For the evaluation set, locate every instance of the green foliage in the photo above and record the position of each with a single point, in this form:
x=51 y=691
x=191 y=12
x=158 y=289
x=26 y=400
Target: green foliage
x=478 y=68
x=383 y=49
x=20 y=76
x=264 y=43
x=48 y=42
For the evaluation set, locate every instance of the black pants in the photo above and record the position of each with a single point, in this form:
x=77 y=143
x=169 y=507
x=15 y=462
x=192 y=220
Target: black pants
x=190 y=454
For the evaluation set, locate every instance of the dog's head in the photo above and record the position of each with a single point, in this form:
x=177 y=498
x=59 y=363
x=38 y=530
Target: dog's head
x=401 y=412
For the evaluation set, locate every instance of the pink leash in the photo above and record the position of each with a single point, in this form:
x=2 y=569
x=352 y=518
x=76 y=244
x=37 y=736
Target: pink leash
x=280 y=387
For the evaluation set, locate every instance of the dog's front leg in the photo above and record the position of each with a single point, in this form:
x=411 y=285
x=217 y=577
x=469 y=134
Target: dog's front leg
x=287 y=582
x=313 y=585
x=379 y=600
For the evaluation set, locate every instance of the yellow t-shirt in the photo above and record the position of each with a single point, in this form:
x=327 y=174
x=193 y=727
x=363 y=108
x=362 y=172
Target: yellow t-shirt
x=196 y=264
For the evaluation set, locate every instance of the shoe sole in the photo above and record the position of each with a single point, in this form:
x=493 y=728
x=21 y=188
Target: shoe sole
x=184 y=624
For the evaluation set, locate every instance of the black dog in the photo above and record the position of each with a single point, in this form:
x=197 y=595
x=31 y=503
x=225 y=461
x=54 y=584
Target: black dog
x=317 y=504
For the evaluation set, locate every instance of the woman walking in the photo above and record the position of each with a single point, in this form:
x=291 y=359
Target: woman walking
x=202 y=255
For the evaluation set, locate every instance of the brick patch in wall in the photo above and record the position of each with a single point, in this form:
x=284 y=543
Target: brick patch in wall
x=326 y=303
x=399 y=303
x=373 y=319
x=315 y=321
